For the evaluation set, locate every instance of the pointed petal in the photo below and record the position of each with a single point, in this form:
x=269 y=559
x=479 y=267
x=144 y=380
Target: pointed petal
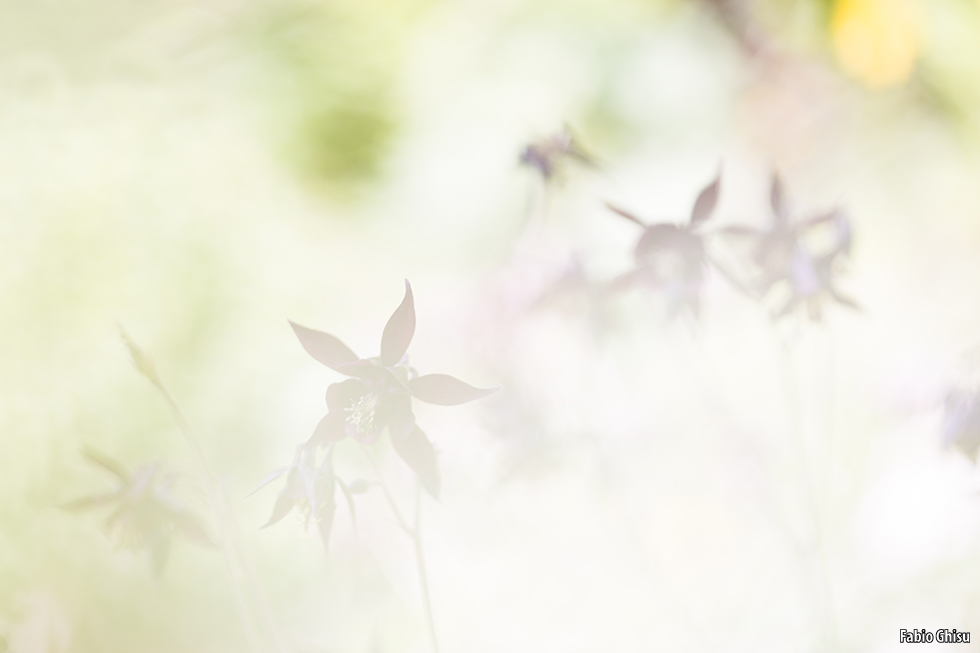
x=444 y=390
x=284 y=503
x=349 y=495
x=740 y=230
x=324 y=523
x=324 y=347
x=105 y=462
x=87 y=503
x=159 y=552
x=332 y=428
x=626 y=214
x=401 y=419
x=273 y=475
x=399 y=330
x=844 y=299
x=359 y=486
x=416 y=450
x=777 y=199
x=705 y=205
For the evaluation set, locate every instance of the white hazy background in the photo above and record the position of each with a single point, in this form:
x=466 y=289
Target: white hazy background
x=204 y=171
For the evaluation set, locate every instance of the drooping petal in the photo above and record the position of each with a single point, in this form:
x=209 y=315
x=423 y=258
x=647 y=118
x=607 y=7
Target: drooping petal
x=399 y=330
x=188 y=525
x=416 y=450
x=324 y=519
x=706 y=202
x=159 y=552
x=284 y=503
x=324 y=347
x=85 y=503
x=843 y=299
x=332 y=428
x=777 y=200
x=626 y=214
x=105 y=462
x=445 y=390
x=273 y=475
x=401 y=419
x=349 y=495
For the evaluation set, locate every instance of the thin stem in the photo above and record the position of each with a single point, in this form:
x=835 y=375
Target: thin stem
x=384 y=488
x=415 y=532
x=420 y=559
x=217 y=513
x=792 y=400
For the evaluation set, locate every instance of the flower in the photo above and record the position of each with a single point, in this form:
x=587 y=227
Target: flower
x=961 y=422
x=783 y=257
x=378 y=395
x=146 y=514
x=547 y=154
x=672 y=257
x=309 y=487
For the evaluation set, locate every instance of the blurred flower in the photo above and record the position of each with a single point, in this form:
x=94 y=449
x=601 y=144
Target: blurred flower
x=783 y=258
x=546 y=155
x=380 y=392
x=309 y=487
x=876 y=41
x=961 y=422
x=672 y=258
x=146 y=514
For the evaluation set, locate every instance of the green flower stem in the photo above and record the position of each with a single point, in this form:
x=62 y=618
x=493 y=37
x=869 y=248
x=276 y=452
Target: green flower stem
x=415 y=532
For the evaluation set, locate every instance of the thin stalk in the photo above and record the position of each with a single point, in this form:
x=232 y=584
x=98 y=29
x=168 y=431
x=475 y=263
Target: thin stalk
x=217 y=514
x=223 y=519
x=792 y=400
x=384 y=488
x=414 y=532
x=423 y=576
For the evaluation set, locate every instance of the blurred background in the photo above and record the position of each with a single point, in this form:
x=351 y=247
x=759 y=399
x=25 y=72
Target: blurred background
x=202 y=172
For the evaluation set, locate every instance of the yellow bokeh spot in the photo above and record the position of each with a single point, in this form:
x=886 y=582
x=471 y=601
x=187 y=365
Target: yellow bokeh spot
x=877 y=41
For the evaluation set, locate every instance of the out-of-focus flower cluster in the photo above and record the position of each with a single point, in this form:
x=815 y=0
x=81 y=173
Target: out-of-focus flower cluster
x=146 y=515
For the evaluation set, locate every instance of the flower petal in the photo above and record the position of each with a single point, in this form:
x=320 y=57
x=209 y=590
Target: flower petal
x=106 y=463
x=341 y=395
x=273 y=475
x=86 y=503
x=324 y=347
x=399 y=330
x=777 y=199
x=363 y=369
x=445 y=390
x=401 y=420
x=706 y=202
x=332 y=428
x=416 y=450
x=284 y=503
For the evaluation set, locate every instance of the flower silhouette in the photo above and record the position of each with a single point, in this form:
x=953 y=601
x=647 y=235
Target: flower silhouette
x=309 y=487
x=147 y=515
x=379 y=394
x=546 y=155
x=784 y=258
x=961 y=422
x=670 y=257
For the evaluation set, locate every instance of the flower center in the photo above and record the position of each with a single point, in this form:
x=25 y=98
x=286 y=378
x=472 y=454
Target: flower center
x=361 y=413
